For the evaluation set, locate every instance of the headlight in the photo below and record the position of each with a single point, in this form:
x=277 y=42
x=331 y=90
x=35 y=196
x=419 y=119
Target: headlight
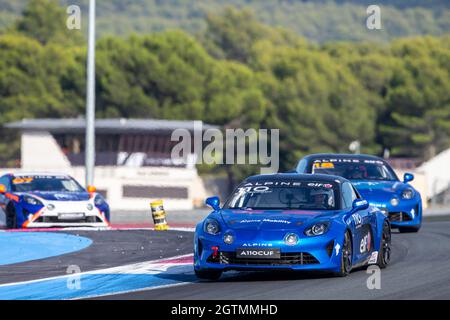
x=32 y=201
x=228 y=238
x=291 y=239
x=395 y=202
x=89 y=206
x=211 y=226
x=317 y=229
x=99 y=201
x=407 y=194
x=50 y=207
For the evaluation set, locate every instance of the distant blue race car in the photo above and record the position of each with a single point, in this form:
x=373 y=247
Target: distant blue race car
x=376 y=182
x=291 y=221
x=33 y=200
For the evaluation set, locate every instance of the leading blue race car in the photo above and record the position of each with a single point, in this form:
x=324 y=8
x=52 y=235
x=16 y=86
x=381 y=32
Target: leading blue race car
x=376 y=182
x=33 y=200
x=291 y=221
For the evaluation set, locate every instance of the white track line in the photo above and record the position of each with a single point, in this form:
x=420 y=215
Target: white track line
x=133 y=291
x=111 y=270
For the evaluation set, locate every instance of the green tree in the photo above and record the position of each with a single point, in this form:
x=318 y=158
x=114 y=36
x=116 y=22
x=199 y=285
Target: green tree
x=418 y=103
x=45 y=21
x=232 y=34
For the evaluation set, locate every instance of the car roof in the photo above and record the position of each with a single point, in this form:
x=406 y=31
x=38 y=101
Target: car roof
x=296 y=177
x=31 y=174
x=342 y=155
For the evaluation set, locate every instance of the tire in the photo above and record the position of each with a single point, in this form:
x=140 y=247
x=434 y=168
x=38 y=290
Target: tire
x=208 y=274
x=409 y=229
x=11 y=221
x=346 y=256
x=384 y=254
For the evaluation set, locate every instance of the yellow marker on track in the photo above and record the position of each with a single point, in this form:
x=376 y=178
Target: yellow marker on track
x=159 y=215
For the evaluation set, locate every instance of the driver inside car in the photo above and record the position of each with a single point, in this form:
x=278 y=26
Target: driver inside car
x=321 y=199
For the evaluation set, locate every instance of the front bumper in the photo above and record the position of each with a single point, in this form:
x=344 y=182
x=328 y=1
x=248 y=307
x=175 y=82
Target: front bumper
x=315 y=253
x=408 y=213
x=66 y=215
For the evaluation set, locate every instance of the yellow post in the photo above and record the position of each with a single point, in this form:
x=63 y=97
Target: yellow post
x=159 y=215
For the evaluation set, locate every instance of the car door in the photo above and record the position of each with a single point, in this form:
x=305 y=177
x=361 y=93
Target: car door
x=361 y=225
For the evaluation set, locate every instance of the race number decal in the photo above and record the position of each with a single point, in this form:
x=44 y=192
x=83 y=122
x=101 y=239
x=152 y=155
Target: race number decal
x=258 y=189
x=22 y=180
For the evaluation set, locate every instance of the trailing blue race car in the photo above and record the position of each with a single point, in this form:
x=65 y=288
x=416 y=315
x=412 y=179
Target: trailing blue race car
x=33 y=200
x=291 y=221
x=376 y=182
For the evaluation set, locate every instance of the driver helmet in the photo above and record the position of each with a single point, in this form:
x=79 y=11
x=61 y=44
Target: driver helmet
x=322 y=197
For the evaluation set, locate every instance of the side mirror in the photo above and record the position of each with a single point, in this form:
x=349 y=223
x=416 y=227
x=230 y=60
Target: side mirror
x=360 y=204
x=91 y=189
x=407 y=177
x=213 y=202
x=2 y=189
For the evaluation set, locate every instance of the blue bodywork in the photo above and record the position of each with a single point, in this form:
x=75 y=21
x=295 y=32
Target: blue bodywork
x=405 y=214
x=259 y=229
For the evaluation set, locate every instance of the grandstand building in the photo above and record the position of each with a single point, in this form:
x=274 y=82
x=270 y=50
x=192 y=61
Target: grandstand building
x=133 y=159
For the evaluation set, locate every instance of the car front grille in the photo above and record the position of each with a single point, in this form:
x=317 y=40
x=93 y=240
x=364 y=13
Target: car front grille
x=399 y=217
x=288 y=258
x=54 y=219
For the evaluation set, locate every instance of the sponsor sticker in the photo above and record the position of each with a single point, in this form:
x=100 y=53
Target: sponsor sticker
x=71 y=216
x=320 y=185
x=257 y=244
x=365 y=243
x=357 y=219
x=265 y=220
x=258 y=253
x=324 y=165
x=373 y=258
x=344 y=160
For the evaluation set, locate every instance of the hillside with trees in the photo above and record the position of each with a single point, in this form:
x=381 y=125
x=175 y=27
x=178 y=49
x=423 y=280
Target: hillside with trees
x=240 y=73
x=316 y=20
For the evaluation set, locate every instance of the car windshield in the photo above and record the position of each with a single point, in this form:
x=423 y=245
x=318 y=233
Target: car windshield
x=45 y=184
x=286 y=195
x=355 y=169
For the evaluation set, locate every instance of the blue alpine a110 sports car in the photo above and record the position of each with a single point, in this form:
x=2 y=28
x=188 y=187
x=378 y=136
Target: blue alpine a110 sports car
x=291 y=221
x=33 y=200
x=376 y=182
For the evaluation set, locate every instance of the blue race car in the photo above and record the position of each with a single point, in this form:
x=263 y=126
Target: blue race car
x=291 y=221
x=33 y=200
x=376 y=182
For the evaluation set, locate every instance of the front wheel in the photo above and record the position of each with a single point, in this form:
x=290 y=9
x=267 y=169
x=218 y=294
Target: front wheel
x=11 y=221
x=346 y=256
x=208 y=274
x=384 y=255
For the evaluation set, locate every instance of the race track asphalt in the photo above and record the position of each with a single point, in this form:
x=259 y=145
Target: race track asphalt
x=110 y=248
x=420 y=269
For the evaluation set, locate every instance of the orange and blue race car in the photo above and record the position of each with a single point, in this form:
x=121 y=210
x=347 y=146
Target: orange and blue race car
x=42 y=200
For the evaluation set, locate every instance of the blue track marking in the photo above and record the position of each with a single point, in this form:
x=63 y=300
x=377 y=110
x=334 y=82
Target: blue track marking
x=16 y=247
x=89 y=285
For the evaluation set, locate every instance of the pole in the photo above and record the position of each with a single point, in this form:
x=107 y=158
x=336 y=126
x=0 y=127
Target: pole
x=90 y=99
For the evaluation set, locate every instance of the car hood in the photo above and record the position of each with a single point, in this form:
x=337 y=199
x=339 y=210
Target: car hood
x=272 y=219
x=60 y=196
x=379 y=190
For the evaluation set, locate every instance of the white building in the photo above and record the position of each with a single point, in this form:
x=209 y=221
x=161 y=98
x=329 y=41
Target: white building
x=133 y=159
x=437 y=173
